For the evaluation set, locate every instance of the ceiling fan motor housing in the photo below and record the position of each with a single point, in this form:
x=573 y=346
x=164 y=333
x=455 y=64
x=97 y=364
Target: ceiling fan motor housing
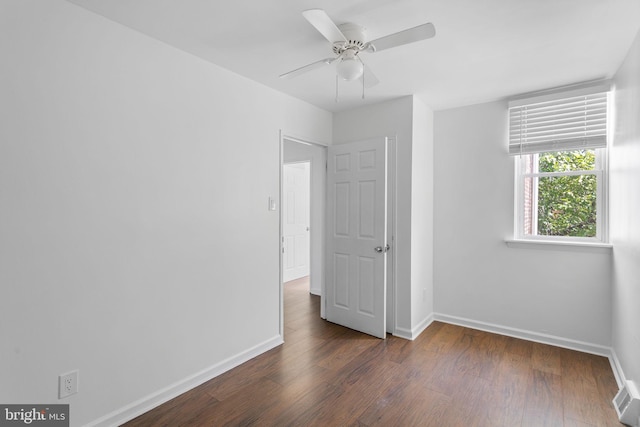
x=356 y=38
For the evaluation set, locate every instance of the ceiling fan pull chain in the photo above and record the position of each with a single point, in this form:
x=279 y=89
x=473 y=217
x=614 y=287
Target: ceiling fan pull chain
x=336 y=88
x=364 y=66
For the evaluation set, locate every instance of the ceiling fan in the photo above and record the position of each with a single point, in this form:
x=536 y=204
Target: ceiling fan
x=349 y=40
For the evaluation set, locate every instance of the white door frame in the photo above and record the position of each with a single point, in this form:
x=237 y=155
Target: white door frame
x=316 y=232
x=392 y=214
x=392 y=232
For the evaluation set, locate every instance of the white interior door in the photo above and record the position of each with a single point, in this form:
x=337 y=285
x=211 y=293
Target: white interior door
x=357 y=236
x=296 y=245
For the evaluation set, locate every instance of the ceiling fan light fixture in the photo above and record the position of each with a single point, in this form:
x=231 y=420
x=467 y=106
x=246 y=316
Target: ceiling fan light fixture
x=348 y=40
x=350 y=68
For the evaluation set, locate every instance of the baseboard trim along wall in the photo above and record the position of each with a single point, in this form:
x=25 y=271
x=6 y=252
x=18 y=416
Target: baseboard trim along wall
x=147 y=403
x=617 y=369
x=153 y=400
x=414 y=332
x=584 y=347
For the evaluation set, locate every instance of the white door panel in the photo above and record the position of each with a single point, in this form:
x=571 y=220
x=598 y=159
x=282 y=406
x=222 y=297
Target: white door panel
x=356 y=226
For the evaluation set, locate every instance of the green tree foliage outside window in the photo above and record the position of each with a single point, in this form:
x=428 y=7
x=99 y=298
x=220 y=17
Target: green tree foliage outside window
x=567 y=204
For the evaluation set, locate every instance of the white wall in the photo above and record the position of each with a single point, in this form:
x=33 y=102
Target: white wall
x=317 y=156
x=127 y=221
x=625 y=215
x=477 y=277
x=421 y=216
x=395 y=118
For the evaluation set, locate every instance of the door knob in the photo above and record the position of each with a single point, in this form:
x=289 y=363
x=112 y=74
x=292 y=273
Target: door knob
x=380 y=249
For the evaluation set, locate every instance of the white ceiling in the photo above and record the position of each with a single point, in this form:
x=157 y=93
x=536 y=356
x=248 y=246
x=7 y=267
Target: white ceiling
x=483 y=49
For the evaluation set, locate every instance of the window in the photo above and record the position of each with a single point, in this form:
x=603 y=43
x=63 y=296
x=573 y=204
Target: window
x=559 y=143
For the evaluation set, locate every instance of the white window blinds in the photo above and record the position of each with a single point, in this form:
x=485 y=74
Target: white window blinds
x=570 y=123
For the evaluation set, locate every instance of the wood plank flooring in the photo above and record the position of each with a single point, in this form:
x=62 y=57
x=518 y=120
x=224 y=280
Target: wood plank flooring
x=327 y=375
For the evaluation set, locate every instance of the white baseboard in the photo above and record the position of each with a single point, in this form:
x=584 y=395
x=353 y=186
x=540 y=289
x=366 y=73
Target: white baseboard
x=316 y=292
x=403 y=333
x=617 y=369
x=147 y=403
x=153 y=400
x=414 y=332
x=584 y=347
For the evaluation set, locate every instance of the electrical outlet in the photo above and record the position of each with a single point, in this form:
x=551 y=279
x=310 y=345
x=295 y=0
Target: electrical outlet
x=67 y=384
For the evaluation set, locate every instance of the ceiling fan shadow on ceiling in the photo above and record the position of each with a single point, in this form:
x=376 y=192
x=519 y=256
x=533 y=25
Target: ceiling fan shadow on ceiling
x=348 y=41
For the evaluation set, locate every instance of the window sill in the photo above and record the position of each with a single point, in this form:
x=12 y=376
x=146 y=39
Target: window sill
x=603 y=248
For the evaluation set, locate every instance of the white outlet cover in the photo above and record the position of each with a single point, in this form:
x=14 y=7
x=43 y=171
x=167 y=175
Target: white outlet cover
x=67 y=384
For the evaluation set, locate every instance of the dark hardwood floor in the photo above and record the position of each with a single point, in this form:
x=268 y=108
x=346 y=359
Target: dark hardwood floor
x=327 y=375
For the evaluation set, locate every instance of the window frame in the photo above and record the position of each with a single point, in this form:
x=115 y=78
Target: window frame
x=600 y=171
x=520 y=144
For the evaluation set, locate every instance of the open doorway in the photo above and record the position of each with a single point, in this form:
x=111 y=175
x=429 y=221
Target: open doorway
x=295 y=152
x=296 y=220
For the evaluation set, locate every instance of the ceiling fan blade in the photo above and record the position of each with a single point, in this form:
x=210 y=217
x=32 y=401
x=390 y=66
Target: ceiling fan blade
x=421 y=32
x=370 y=79
x=321 y=21
x=307 y=68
